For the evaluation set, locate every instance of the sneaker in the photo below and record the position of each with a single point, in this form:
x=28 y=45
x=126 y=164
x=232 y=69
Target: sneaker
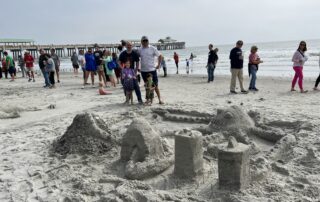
x=244 y=91
x=315 y=88
x=58 y=81
x=255 y=89
x=82 y=87
x=29 y=79
x=233 y=92
x=303 y=91
x=161 y=102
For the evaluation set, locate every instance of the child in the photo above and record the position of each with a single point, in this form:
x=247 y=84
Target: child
x=164 y=66
x=103 y=91
x=111 y=65
x=128 y=83
x=149 y=90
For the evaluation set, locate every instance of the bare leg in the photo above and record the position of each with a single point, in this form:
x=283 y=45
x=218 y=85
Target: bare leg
x=100 y=75
x=32 y=75
x=86 y=77
x=113 y=81
x=28 y=73
x=127 y=97
x=158 y=94
x=92 y=78
x=12 y=77
x=58 y=76
x=104 y=78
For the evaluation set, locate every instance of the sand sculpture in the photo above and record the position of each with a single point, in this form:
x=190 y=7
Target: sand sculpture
x=88 y=134
x=177 y=115
x=144 y=151
x=233 y=165
x=146 y=154
x=188 y=154
x=233 y=121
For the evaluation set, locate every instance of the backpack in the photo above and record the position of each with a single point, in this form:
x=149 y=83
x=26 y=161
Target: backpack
x=112 y=65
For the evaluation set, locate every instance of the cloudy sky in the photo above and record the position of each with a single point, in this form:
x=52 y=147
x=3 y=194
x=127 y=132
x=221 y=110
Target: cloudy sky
x=197 y=22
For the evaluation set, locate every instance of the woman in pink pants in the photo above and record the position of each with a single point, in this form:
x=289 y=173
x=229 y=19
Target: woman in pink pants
x=298 y=60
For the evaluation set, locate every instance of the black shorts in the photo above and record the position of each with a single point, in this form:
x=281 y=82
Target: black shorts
x=12 y=70
x=154 y=77
x=75 y=66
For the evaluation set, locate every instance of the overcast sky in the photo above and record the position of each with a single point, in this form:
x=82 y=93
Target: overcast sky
x=197 y=22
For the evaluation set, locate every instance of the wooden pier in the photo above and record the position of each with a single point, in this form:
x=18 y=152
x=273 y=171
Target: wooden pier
x=67 y=50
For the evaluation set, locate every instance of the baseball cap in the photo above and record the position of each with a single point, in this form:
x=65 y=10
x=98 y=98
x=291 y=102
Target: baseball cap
x=143 y=38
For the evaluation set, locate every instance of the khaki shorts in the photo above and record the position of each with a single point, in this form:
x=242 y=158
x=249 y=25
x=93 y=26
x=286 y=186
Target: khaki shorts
x=30 y=69
x=100 y=68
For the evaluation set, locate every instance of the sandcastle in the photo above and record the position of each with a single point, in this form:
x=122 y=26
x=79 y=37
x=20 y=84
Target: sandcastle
x=233 y=165
x=188 y=154
x=144 y=151
x=88 y=134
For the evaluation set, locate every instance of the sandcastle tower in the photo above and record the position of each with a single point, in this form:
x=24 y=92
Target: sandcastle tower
x=188 y=154
x=233 y=165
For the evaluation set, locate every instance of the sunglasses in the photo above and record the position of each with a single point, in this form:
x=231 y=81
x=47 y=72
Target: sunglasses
x=145 y=40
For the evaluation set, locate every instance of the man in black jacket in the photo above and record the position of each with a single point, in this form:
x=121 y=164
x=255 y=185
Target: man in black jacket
x=212 y=61
x=236 y=60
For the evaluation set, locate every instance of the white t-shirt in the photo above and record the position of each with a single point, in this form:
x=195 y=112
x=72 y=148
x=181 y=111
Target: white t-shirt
x=147 y=56
x=82 y=60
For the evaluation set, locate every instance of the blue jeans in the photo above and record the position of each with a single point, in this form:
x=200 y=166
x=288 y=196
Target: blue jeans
x=253 y=72
x=46 y=77
x=210 y=70
x=137 y=90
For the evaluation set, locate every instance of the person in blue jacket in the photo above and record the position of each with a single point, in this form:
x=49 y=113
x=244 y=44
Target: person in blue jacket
x=91 y=67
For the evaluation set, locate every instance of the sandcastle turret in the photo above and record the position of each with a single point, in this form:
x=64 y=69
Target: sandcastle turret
x=233 y=165
x=188 y=154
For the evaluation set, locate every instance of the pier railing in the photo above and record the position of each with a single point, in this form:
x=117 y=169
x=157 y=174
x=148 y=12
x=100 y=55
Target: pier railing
x=68 y=49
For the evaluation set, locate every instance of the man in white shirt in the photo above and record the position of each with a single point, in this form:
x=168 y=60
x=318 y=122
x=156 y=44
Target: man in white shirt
x=147 y=54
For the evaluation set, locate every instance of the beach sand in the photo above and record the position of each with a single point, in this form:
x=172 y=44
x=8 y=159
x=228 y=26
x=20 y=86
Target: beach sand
x=33 y=119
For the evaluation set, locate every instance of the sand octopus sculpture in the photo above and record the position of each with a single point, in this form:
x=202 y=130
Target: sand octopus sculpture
x=233 y=121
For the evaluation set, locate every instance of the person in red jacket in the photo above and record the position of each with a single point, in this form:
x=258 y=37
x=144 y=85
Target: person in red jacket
x=4 y=67
x=28 y=59
x=176 y=60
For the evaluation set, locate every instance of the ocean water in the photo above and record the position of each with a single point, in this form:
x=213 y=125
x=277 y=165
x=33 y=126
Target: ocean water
x=276 y=56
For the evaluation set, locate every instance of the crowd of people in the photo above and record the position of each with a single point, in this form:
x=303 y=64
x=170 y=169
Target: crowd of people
x=127 y=69
x=131 y=65
x=236 y=67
